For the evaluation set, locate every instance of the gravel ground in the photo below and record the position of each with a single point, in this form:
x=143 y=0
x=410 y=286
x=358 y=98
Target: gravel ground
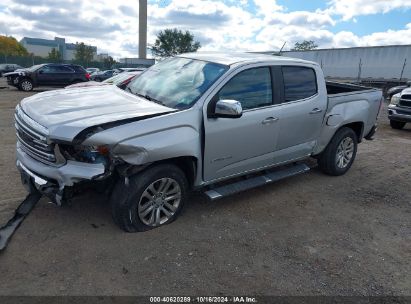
x=307 y=235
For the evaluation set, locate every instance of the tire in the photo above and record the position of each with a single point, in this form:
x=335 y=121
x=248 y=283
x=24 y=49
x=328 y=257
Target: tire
x=340 y=153
x=26 y=85
x=398 y=125
x=129 y=202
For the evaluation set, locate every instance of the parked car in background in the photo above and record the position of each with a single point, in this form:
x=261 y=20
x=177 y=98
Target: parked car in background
x=121 y=81
x=189 y=123
x=397 y=89
x=102 y=75
x=49 y=74
x=121 y=70
x=399 y=110
x=8 y=67
x=92 y=70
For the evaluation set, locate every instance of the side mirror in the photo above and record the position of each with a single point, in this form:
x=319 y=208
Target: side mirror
x=41 y=72
x=228 y=108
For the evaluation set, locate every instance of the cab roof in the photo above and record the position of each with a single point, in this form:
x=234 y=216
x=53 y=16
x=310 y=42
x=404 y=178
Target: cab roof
x=230 y=58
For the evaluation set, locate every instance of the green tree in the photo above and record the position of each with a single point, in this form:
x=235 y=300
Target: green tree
x=54 y=54
x=171 y=42
x=9 y=46
x=83 y=53
x=109 y=62
x=306 y=45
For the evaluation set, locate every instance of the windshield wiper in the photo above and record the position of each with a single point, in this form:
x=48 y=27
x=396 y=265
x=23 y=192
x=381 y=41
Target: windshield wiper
x=148 y=97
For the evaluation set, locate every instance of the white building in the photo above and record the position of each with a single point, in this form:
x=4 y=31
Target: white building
x=102 y=56
x=137 y=61
x=42 y=47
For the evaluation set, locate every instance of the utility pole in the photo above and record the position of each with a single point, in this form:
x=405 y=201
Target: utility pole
x=402 y=71
x=359 y=71
x=142 y=29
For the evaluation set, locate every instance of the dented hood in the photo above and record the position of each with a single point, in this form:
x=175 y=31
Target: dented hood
x=65 y=113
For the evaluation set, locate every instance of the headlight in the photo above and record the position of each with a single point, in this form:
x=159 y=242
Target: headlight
x=88 y=154
x=395 y=99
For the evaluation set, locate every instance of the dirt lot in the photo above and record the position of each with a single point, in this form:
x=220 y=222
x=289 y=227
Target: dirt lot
x=310 y=234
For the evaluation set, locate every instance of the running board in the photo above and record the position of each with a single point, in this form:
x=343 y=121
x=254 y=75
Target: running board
x=255 y=181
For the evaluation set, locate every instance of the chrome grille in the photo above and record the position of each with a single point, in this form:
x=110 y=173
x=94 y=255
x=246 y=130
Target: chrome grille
x=405 y=101
x=31 y=140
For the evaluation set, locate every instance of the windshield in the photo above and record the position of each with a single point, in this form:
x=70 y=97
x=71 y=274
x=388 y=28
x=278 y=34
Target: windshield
x=35 y=67
x=177 y=82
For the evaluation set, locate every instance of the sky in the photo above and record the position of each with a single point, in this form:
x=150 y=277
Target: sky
x=219 y=25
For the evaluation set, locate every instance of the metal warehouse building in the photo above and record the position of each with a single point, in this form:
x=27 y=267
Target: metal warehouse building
x=377 y=64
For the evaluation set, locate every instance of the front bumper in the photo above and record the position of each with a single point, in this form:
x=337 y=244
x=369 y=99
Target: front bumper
x=13 y=81
x=53 y=181
x=399 y=113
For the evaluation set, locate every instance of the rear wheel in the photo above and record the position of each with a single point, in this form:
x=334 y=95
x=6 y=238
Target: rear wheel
x=151 y=199
x=26 y=85
x=340 y=153
x=397 y=124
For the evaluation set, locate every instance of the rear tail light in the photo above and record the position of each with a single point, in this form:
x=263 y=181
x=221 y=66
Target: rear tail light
x=88 y=76
x=128 y=80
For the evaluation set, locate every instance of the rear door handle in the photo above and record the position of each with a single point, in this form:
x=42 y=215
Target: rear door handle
x=315 y=111
x=269 y=120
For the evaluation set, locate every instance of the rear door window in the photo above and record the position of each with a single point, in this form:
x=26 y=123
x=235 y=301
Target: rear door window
x=78 y=69
x=299 y=83
x=64 y=69
x=49 y=69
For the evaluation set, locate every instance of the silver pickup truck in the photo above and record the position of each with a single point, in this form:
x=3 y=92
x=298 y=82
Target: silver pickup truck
x=220 y=123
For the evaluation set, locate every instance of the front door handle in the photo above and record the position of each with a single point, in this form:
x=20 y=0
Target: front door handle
x=315 y=111
x=269 y=120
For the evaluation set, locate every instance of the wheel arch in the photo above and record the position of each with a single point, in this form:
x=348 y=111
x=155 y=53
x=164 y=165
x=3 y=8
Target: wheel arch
x=329 y=132
x=187 y=164
x=357 y=127
x=26 y=77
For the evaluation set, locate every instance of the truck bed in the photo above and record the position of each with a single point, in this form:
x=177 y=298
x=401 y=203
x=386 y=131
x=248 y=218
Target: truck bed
x=339 y=93
x=334 y=88
x=358 y=102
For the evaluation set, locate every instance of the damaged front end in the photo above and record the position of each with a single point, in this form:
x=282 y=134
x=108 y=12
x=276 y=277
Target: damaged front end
x=59 y=183
x=54 y=169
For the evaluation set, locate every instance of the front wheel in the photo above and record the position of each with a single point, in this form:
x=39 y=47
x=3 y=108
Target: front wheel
x=26 y=85
x=397 y=124
x=340 y=153
x=151 y=199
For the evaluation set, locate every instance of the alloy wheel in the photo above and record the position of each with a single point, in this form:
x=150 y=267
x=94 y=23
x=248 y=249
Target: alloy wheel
x=345 y=152
x=159 y=202
x=26 y=85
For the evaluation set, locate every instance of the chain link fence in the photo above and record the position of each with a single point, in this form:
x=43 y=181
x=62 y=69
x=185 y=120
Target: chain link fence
x=28 y=61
